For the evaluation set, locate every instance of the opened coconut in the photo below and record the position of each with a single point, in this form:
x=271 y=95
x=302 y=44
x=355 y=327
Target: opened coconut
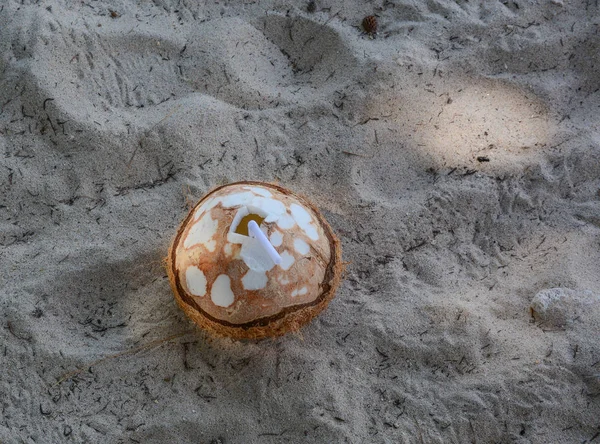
x=253 y=260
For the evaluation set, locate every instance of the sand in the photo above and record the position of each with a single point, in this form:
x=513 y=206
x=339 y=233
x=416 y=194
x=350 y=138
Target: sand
x=456 y=154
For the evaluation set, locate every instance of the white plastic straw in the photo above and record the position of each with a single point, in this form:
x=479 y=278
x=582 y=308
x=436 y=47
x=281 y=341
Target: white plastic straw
x=257 y=233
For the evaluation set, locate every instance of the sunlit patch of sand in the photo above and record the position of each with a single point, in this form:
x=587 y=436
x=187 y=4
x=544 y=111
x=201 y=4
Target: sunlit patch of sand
x=490 y=122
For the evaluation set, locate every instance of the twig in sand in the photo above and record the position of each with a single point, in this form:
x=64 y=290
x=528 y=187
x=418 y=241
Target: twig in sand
x=118 y=355
x=332 y=17
x=350 y=153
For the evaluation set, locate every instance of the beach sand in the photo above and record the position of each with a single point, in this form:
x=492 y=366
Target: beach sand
x=456 y=153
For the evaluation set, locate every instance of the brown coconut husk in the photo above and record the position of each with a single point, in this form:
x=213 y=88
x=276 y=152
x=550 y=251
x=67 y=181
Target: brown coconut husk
x=289 y=319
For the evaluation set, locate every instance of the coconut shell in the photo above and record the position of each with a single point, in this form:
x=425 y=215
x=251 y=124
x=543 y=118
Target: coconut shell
x=227 y=284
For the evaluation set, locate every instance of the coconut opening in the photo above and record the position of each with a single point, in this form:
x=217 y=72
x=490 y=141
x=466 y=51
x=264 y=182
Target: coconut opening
x=238 y=231
x=242 y=228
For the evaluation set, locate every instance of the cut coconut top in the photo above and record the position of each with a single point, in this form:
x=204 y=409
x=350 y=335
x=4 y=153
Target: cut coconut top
x=229 y=276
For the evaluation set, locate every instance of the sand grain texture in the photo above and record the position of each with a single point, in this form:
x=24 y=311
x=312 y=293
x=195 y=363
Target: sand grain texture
x=456 y=155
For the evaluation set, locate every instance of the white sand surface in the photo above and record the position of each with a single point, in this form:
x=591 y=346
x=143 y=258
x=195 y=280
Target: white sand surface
x=457 y=155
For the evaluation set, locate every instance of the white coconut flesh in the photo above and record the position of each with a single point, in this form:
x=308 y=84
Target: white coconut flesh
x=229 y=275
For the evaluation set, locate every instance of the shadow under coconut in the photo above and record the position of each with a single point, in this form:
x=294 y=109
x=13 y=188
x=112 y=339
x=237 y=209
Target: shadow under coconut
x=109 y=309
x=101 y=306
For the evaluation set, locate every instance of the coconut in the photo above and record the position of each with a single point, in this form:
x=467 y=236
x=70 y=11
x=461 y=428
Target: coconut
x=225 y=279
